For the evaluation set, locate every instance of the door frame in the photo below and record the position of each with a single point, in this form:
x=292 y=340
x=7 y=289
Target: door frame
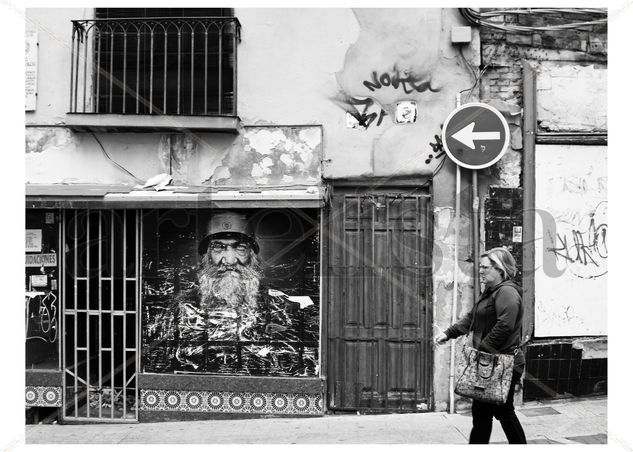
x=386 y=184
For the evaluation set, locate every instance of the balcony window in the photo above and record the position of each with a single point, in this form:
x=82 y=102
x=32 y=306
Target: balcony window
x=155 y=61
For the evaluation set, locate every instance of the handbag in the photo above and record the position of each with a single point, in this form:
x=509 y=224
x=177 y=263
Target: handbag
x=486 y=376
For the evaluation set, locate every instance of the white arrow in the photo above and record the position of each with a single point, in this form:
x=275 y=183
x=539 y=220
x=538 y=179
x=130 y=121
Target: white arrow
x=467 y=136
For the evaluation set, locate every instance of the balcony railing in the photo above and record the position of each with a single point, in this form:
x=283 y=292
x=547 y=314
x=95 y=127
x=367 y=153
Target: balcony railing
x=155 y=66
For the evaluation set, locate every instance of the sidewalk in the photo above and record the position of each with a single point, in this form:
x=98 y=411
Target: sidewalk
x=570 y=421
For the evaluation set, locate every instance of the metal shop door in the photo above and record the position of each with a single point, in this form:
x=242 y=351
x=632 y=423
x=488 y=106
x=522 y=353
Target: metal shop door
x=100 y=290
x=379 y=301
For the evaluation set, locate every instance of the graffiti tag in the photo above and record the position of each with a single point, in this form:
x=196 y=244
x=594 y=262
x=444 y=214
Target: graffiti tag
x=585 y=246
x=409 y=83
x=437 y=149
x=579 y=185
x=364 y=111
x=41 y=316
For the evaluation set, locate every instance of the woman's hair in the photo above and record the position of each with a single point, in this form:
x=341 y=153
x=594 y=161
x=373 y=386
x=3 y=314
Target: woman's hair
x=503 y=261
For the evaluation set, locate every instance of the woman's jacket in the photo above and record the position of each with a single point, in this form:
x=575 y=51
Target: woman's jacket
x=497 y=324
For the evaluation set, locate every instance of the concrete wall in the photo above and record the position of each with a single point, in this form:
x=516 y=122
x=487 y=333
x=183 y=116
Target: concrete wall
x=54 y=31
x=296 y=67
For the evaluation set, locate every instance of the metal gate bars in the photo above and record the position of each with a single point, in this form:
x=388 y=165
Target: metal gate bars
x=379 y=299
x=101 y=292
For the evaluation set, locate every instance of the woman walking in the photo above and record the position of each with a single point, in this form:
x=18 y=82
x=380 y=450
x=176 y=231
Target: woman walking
x=496 y=322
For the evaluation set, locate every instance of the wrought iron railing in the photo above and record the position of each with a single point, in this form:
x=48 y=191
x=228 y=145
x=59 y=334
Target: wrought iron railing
x=155 y=66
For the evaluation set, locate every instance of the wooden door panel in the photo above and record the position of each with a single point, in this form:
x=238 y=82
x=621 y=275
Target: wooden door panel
x=379 y=270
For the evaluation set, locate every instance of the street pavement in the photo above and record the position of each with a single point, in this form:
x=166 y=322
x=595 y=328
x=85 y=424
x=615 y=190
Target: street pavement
x=576 y=421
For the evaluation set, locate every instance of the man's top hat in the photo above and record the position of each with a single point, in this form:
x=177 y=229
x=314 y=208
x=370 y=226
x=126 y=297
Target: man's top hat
x=226 y=224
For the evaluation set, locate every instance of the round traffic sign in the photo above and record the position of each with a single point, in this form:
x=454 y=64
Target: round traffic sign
x=475 y=135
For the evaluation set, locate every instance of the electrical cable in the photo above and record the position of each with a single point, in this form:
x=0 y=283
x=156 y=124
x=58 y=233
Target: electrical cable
x=113 y=162
x=472 y=71
x=544 y=11
x=439 y=167
x=476 y=77
x=477 y=18
x=481 y=73
x=437 y=170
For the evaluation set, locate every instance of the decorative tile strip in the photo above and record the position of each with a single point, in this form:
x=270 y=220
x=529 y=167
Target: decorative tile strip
x=43 y=396
x=231 y=402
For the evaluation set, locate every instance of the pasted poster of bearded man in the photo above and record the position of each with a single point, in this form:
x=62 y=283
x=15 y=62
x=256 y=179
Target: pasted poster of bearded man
x=229 y=322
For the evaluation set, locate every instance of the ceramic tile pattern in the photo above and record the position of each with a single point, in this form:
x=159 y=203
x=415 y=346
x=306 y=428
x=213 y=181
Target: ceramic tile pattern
x=231 y=402
x=43 y=396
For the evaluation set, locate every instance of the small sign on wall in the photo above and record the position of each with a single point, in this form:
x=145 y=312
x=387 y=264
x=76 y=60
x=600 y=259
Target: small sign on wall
x=33 y=241
x=517 y=234
x=39 y=280
x=406 y=112
x=30 y=62
x=41 y=260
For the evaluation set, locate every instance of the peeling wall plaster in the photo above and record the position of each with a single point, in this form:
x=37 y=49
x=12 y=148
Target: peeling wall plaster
x=278 y=156
x=273 y=156
x=444 y=279
x=509 y=169
x=571 y=97
x=56 y=155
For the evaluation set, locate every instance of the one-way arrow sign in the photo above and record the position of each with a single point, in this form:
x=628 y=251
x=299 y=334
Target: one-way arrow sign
x=468 y=136
x=475 y=135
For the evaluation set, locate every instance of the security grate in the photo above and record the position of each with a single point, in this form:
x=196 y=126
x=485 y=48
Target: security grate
x=100 y=292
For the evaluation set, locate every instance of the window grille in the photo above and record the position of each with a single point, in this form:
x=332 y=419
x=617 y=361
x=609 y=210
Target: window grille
x=175 y=65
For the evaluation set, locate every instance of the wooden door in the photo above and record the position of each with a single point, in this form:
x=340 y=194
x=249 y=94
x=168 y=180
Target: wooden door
x=379 y=300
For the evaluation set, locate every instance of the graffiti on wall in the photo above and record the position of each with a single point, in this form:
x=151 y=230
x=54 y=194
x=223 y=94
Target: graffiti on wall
x=362 y=111
x=41 y=316
x=437 y=149
x=395 y=79
x=571 y=241
x=583 y=245
x=398 y=58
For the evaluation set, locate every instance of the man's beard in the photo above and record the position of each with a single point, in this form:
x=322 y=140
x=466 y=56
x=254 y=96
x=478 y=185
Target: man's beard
x=233 y=286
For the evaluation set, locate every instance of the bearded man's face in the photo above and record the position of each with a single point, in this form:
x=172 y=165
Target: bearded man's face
x=229 y=274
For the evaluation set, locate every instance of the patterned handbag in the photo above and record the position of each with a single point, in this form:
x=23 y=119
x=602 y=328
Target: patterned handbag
x=486 y=376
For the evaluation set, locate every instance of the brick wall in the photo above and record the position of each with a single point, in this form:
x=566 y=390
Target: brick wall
x=502 y=51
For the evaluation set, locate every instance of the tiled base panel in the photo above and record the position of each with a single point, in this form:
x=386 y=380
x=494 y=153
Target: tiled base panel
x=231 y=402
x=48 y=396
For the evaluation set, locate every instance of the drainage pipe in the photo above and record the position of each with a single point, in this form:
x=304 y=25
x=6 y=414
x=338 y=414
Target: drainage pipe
x=475 y=238
x=451 y=379
x=529 y=213
x=458 y=179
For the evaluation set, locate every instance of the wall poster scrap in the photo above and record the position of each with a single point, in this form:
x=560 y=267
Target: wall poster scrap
x=231 y=292
x=571 y=241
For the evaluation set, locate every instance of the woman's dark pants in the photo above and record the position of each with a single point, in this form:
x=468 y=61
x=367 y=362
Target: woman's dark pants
x=482 y=419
